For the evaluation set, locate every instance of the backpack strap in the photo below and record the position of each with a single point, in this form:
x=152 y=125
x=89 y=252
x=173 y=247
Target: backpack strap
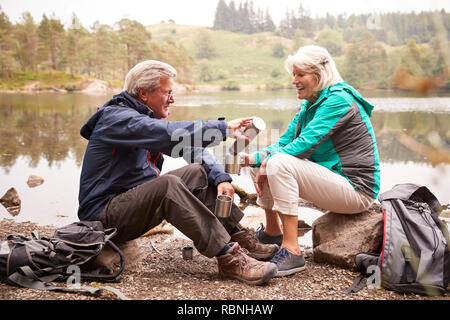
x=109 y=233
x=30 y=280
x=357 y=285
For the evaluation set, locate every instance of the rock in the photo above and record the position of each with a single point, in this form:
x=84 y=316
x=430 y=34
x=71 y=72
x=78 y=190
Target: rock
x=32 y=86
x=109 y=260
x=303 y=228
x=34 y=181
x=163 y=227
x=337 y=238
x=11 y=201
x=95 y=86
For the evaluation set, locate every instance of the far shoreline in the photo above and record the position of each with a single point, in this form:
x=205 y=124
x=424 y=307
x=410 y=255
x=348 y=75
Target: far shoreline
x=202 y=88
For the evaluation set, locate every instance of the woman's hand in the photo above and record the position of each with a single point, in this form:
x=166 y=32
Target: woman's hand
x=225 y=188
x=246 y=160
x=261 y=178
x=237 y=126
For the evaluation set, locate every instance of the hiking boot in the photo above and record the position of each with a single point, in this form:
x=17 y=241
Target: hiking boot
x=263 y=237
x=255 y=248
x=288 y=263
x=235 y=263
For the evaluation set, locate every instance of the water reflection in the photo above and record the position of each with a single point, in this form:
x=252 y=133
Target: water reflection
x=47 y=126
x=39 y=134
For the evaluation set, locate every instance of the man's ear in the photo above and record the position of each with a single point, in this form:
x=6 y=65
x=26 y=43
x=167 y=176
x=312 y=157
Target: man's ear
x=142 y=94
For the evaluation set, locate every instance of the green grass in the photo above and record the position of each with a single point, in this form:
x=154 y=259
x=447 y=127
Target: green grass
x=47 y=80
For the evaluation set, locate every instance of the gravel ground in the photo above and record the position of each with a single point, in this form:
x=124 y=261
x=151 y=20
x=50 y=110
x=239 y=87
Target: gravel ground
x=162 y=274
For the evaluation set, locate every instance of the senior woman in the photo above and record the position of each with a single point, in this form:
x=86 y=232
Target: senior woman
x=328 y=155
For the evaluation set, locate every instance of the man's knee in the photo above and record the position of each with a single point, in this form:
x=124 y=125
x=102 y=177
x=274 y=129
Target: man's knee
x=196 y=168
x=170 y=181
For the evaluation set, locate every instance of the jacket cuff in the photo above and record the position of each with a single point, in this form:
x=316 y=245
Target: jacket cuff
x=225 y=177
x=260 y=156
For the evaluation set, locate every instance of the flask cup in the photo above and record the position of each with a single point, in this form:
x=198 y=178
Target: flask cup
x=251 y=131
x=223 y=206
x=187 y=252
x=232 y=164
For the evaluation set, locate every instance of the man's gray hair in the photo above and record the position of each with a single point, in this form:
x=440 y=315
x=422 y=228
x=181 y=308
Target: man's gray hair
x=146 y=75
x=317 y=60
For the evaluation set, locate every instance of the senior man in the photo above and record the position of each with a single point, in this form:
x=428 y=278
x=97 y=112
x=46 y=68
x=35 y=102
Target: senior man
x=121 y=184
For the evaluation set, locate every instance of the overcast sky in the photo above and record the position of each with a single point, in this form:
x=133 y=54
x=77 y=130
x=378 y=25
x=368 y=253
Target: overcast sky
x=198 y=12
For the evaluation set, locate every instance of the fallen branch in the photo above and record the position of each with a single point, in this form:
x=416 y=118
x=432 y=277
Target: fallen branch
x=246 y=199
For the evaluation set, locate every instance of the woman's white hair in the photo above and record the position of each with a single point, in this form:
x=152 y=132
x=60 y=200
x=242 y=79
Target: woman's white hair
x=146 y=75
x=316 y=60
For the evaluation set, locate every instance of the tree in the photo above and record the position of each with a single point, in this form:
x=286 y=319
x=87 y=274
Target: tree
x=26 y=43
x=269 y=25
x=278 y=51
x=104 y=46
x=74 y=39
x=51 y=35
x=331 y=39
x=204 y=46
x=298 y=40
x=221 y=19
x=6 y=46
x=365 y=63
x=136 y=39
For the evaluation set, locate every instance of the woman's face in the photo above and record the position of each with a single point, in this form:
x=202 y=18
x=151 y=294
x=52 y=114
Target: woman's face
x=305 y=83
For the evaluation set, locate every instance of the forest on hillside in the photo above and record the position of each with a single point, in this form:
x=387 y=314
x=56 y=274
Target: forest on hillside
x=407 y=51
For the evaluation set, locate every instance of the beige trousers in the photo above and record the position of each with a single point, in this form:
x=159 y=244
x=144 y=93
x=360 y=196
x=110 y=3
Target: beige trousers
x=290 y=178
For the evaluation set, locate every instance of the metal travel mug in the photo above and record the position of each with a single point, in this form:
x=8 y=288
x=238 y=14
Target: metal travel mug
x=251 y=131
x=187 y=252
x=232 y=163
x=223 y=206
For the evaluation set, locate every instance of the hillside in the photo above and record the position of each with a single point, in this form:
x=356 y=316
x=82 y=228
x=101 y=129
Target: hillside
x=242 y=58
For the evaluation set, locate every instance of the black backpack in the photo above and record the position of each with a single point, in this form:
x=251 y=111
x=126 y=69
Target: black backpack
x=415 y=256
x=36 y=262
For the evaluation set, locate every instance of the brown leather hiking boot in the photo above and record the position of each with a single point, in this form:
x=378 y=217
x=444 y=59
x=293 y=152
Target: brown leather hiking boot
x=235 y=263
x=255 y=248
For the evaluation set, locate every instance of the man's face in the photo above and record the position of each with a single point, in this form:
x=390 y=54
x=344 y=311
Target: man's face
x=160 y=99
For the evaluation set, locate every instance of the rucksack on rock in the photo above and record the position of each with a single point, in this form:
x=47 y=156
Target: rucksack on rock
x=36 y=262
x=415 y=256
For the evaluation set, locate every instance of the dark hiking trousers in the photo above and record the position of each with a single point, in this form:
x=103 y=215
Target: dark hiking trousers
x=182 y=197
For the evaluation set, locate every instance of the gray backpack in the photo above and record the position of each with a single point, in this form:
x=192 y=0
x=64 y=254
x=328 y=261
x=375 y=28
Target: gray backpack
x=35 y=262
x=415 y=256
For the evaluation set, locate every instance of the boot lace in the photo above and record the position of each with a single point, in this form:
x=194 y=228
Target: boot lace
x=280 y=256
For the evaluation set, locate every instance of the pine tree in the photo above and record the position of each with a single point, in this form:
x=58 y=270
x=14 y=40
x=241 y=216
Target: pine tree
x=27 y=43
x=51 y=36
x=269 y=25
x=6 y=46
x=73 y=48
x=221 y=19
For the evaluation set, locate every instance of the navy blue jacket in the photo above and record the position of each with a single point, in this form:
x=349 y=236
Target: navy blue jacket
x=125 y=150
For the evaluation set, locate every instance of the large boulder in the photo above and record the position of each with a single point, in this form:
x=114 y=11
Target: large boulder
x=337 y=238
x=109 y=260
x=11 y=201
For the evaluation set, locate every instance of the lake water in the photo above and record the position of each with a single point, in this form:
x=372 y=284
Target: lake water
x=39 y=134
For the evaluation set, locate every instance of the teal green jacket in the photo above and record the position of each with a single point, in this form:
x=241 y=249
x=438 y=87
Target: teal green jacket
x=336 y=133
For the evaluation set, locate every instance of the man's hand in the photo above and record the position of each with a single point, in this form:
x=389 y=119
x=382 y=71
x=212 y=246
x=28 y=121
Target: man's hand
x=225 y=188
x=261 y=178
x=237 y=126
x=246 y=160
